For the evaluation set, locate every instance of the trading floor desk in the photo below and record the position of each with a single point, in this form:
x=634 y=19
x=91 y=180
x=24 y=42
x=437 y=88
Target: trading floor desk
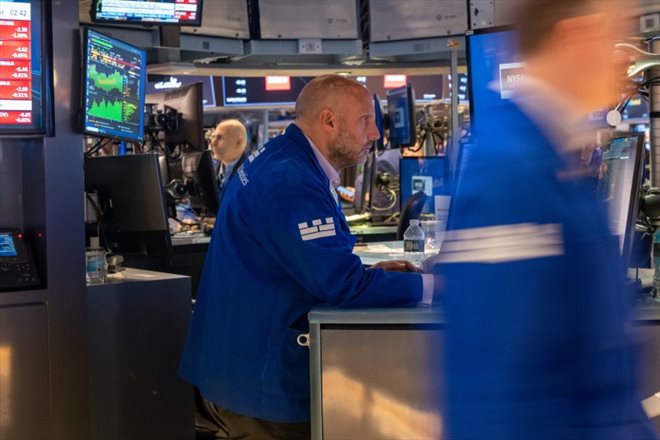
x=377 y=373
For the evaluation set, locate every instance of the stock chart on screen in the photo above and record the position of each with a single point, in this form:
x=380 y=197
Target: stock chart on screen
x=114 y=88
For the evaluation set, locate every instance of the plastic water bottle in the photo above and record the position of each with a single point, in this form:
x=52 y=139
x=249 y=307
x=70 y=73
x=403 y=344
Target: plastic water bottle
x=413 y=243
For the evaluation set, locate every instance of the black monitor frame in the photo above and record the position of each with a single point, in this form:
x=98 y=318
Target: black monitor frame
x=635 y=192
x=144 y=20
x=40 y=63
x=404 y=114
x=200 y=180
x=92 y=128
x=132 y=204
x=187 y=100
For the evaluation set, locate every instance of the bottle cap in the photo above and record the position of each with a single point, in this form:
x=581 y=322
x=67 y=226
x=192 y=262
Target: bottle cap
x=414 y=222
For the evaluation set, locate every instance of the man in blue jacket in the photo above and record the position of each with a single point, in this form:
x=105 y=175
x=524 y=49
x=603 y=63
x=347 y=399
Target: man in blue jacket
x=284 y=247
x=536 y=343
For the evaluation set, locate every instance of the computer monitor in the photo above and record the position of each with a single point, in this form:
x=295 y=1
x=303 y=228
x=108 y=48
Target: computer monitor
x=161 y=12
x=429 y=175
x=401 y=115
x=201 y=182
x=114 y=75
x=494 y=66
x=130 y=197
x=25 y=69
x=187 y=101
x=619 y=183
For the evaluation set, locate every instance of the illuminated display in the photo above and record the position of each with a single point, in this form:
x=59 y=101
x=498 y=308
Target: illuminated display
x=114 y=88
x=182 y=12
x=7 y=248
x=22 y=107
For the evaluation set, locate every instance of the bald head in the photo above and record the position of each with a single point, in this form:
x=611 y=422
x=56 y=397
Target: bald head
x=337 y=115
x=228 y=140
x=326 y=92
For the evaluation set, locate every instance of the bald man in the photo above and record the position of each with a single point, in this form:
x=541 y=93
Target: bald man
x=283 y=248
x=228 y=143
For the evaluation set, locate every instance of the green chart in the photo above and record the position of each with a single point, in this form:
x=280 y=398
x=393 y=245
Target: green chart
x=106 y=82
x=113 y=110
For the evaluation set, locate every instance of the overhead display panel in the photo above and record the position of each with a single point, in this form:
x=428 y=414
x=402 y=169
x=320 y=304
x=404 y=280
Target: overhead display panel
x=23 y=63
x=176 y=12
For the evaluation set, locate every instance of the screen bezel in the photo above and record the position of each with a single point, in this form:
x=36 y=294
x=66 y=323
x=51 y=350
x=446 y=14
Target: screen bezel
x=46 y=109
x=85 y=73
x=96 y=19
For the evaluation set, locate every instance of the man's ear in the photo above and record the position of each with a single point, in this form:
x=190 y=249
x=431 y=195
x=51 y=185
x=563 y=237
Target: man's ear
x=328 y=120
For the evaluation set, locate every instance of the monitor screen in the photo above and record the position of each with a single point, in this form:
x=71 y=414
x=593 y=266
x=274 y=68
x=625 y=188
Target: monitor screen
x=133 y=211
x=427 y=174
x=256 y=91
x=401 y=115
x=25 y=85
x=175 y=12
x=494 y=66
x=113 y=98
x=162 y=83
x=619 y=183
x=7 y=247
x=188 y=129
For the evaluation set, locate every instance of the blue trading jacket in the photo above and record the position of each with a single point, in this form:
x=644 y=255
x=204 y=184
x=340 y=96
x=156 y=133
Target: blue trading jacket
x=281 y=245
x=536 y=302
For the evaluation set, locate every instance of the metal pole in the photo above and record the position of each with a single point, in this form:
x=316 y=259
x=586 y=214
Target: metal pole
x=455 y=125
x=264 y=127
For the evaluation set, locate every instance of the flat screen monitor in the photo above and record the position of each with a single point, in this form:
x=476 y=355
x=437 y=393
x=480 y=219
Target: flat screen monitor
x=25 y=79
x=619 y=183
x=201 y=182
x=133 y=211
x=494 y=66
x=114 y=75
x=150 y=12
x=163 y=83
x=401 y=115
x=187 y=101
x=427 y=174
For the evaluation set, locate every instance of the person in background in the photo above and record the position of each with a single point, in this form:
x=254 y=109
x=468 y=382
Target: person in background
x=536 y=342
x=283 y=248
x=228 y=144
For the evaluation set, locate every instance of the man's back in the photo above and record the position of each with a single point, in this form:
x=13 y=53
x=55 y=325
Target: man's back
x=536 y=345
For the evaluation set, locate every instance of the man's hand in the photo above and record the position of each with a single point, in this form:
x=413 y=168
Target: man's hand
x=397 y=266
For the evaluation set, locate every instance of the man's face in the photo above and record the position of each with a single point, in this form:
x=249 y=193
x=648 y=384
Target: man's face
x=356 y=130
x=222 y=144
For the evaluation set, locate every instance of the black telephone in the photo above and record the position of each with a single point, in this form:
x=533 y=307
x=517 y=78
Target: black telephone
x=17 y=268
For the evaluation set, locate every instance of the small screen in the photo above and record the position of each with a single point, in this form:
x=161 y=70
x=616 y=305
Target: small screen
x=426 y=174
x=181 y=12
x=400 y=111
x=7 y=247
x=22 y=64
x=114 y=88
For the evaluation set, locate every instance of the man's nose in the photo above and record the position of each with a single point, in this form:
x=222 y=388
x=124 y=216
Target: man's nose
x=374 y=134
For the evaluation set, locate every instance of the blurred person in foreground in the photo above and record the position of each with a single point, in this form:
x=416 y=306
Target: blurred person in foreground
x=284 y=247
x=537 y=346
